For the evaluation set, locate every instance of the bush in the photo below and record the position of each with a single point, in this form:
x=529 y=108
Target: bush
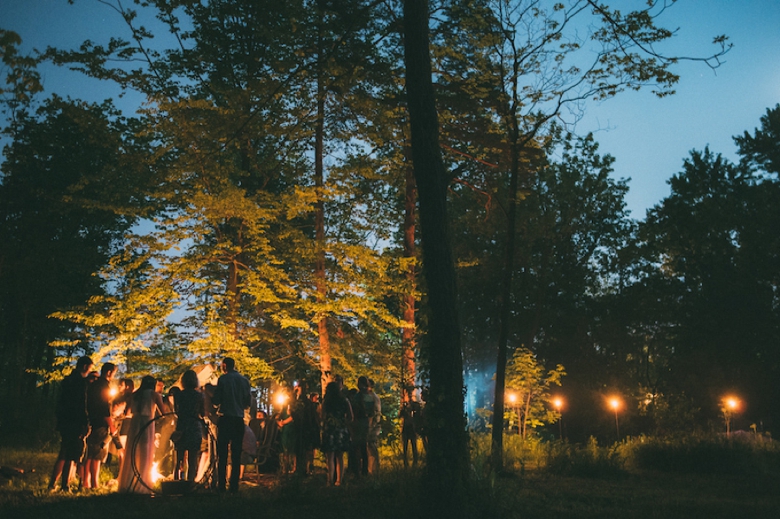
x=556 y=457
x=701 y=454
x=589 y=461
x=704 y=454
x=519 y=454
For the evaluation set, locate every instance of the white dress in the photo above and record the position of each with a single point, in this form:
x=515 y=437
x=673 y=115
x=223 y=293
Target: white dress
x=140 y=448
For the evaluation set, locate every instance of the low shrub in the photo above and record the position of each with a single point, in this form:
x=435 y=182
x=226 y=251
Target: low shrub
x=519 y=455
x=740 y=454
x=588 y=461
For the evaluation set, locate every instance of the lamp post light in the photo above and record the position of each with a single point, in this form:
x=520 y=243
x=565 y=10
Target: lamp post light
x=558 y=405
x=280 y=399
x=512 y=397
x=729 y=406
x=615 y=403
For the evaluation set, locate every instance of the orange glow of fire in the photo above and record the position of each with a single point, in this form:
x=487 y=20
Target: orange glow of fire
x=156 y=476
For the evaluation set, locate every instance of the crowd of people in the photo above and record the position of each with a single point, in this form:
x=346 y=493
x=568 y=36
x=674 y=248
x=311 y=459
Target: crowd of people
x=141 y=427
x=347 y=421
x=95 y=424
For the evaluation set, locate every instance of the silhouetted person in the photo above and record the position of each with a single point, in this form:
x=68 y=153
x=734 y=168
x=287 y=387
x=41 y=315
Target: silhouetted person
x=72 y=422
x=409 y=411
x=189 y=410
x=336 y=415
x=233 y=398
x=101 y=424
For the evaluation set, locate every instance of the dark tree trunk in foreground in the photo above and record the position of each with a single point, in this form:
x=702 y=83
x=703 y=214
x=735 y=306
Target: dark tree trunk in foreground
x=408 y=365
x=448 y=442
x=497 y=443
x=319 y=216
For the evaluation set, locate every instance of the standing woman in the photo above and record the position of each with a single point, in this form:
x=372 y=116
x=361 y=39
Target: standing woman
x=288 y=437
x=145 y=404
x=336 y=416
x=122 y=413
x=189 y=409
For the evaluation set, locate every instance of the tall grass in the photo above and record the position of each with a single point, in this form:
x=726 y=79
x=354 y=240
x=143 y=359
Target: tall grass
x=703 y=454
x=533 y=454
x=519 y=455
x=30 y=486
x=552 y=479
x=589 y=460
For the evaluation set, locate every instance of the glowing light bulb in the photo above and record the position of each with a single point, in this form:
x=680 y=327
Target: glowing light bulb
x=280 y=398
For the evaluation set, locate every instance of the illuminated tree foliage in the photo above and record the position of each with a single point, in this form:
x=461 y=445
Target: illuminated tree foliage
x=530 y=384
x=251 y=253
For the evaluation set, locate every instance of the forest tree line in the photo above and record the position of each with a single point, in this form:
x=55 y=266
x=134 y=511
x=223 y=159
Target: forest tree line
x=262 y=204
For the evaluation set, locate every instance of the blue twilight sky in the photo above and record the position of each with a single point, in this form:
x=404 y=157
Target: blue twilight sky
x=648 y=136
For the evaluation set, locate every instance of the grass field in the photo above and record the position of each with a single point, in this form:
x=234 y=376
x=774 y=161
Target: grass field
x=535 y=492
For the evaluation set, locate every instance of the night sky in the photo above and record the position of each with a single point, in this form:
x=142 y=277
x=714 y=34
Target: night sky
x=648 y=136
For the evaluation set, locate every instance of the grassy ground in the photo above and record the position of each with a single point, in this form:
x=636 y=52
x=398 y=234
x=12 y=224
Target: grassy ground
x=537 y=494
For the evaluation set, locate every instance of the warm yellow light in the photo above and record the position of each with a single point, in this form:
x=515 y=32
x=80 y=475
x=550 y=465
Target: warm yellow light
x=732 y=403
x=280 y=398
x=557 y=403
x=512 y=398
x=113 y=392
x=156 y=474
x=614 y=403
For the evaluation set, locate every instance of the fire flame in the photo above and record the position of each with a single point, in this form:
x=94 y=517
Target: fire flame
x=156 y=475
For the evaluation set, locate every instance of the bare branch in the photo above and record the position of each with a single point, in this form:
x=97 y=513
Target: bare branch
x=714 y=61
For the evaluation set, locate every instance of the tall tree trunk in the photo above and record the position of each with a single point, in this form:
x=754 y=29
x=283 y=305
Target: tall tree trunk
x=526 y=411
x=22 y=343
x=448 y=460
x=408 y=365
x=232 y=294
x=497 y=443
x=319 y=220
x=235 y=228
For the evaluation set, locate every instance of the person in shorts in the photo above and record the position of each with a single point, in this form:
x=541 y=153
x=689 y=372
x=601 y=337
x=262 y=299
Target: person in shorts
x=101 y=424
x=72 y=423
